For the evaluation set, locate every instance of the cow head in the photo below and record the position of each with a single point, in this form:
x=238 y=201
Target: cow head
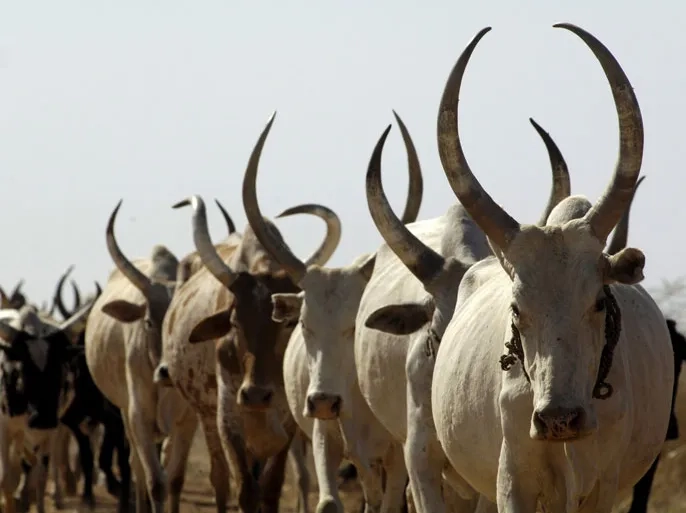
x=560 y=295
x=78 y=330
x=157 y=289
x=15 y=300
x=34 y=369
x=440 y=276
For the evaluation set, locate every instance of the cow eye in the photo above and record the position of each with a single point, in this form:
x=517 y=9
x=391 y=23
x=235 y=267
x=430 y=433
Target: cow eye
x=515 y=311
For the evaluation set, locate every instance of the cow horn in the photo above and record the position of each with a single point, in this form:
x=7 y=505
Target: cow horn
x=292 y=265
x=561 y=187
x=203 y=243
x=4 y=300
x=416 y=187
x=16 y=293
x=495 y=222
x=77 y=295
x=227 y=217
x=98 y=290
x=621 y=234
x=57 y=300
x=79 y=314
x=132 y=273
x=421 y=260
x=607 y=211
x=333 y=231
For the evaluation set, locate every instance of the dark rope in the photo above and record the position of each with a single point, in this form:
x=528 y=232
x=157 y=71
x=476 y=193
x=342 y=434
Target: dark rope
x=613 y=328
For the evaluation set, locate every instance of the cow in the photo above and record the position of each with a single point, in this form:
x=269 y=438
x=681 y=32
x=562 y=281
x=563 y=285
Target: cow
x=318 y=369
x=15 y=300
x=235 y=383
x=123 y=346
x=414 y=284
x=36 y=386
x=578 y=408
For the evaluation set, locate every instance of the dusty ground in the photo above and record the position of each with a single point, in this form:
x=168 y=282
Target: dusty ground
x=669 y=490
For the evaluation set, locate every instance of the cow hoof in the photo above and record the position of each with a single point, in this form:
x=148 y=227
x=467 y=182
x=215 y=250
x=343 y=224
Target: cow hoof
x=69 y=483
x=88 y=501
x=328 y=505
x=113 y=486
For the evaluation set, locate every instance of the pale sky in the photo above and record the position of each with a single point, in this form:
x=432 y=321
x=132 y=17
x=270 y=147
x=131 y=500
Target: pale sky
x=154 y=101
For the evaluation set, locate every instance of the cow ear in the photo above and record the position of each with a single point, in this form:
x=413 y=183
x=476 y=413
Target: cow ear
x=123 y=311
x=286 y=307
x=401 y=319
x=211 y=328
x=625 y=267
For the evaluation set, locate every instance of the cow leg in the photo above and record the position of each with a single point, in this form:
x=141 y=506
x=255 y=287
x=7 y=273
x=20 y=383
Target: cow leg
x=181 y=440
x=123 y=455
x=516 y=493
x=327 y=457
x=396 y=480
x=86 y=460
x=142 y=423
x=7 y=481
x=105 y=461
x=234 y=448
x=639 y=502
x=219 y=468
x=370 y=476
x=142 y=500
x=271 y=481
x=296 y=457
x=41 y=479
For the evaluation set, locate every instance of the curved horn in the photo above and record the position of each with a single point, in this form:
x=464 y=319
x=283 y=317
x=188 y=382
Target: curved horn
x=607 y=211
x=16 y=292
x=292 y=265
x=98 y=290
x=621 y=235
x=132 y=273
x=416 y=187
x=4 y=300
x=496 y=223
x=421 y=260
x=77 y=295
x=333 y=230
x=561 y=187
x=57 y=299
x=227 y=217
x=203 y=243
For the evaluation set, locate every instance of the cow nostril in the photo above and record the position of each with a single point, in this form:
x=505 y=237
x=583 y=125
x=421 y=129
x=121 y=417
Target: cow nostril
x=310 y=405
x=576 y=419
x=244 y=396
x=268 y=396
x=539 y=422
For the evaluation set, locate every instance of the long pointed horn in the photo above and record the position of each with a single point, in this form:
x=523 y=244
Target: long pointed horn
x=621 y=234
x=4 y=300
x=77 y=295
x=227 y=217
x=57 y=299
x=496 y=223
x=421 y=260
x=132 y=273
x=16 y=292
x=333 y=230
x=292 y=265
x=77 y=316
x=607 y=211
x=562 y=186
x=416 y=187
x=203 y=243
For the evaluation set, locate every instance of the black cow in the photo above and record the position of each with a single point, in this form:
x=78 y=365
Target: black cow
x=642 y=489
x=35 y=380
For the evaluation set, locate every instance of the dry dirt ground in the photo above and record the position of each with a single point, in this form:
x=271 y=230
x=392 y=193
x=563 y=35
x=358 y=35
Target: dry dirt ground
x=669 y=489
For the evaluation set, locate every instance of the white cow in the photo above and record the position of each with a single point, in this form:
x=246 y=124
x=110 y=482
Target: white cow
x=123 y=346
x=319 y=374
x=583 y=409
x=414 y=284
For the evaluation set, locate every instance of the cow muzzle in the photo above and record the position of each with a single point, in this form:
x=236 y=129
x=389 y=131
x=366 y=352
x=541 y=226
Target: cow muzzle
x=323 y=406
x=255 y=398
x=560 y=424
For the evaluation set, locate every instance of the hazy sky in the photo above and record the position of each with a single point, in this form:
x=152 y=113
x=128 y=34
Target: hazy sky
x=154 y=101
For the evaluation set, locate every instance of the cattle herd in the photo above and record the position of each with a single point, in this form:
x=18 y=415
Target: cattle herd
x=469 y=364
